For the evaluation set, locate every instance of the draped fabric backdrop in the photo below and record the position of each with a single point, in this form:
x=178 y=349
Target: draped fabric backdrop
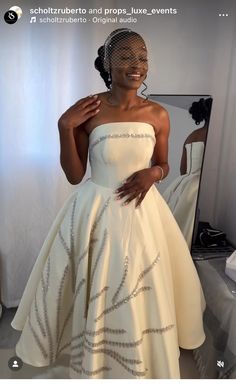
x=51 y=67
x=45 y=68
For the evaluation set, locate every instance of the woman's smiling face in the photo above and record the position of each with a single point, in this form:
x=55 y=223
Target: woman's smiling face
x=129 y=63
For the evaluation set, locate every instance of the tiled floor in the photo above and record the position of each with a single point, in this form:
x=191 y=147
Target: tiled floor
x=8 y=339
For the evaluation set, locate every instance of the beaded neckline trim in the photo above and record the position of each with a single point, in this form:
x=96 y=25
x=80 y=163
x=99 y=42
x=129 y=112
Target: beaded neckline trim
x=121 y=122
x=120 y=135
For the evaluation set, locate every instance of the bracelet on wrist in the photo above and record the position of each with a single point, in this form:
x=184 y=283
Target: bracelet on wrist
x=162 y=174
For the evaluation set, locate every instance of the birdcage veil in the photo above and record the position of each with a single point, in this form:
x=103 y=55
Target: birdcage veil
x=108 y=47
x=130 y=53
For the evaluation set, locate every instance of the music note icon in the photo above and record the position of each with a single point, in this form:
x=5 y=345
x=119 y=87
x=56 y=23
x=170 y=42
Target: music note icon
x=33 y=19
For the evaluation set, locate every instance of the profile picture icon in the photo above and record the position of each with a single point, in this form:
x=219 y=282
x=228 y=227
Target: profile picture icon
x=13 y=15
x=15 y=363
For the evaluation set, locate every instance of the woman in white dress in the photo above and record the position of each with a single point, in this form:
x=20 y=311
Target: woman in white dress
x=181 y=195
x=114 y=286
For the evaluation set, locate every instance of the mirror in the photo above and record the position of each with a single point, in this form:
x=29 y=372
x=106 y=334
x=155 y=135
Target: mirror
x=189 y=120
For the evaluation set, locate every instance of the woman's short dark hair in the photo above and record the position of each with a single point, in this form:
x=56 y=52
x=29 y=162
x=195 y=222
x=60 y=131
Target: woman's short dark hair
x=200 y=110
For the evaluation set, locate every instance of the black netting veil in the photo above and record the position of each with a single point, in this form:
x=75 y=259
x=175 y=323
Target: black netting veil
x=123 y=50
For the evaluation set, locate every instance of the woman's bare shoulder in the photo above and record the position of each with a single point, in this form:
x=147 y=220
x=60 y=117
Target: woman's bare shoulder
x=157 y=109
x=99 y=94
x=154 y=104
x=102 y=95
x=198 y=134
x=160 y=116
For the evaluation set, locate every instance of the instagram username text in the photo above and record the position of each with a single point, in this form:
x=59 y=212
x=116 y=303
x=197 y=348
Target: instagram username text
x=103 y=11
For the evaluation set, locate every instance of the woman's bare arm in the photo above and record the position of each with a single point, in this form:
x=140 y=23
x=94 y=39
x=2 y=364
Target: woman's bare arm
x=160 y=153
x=183 y=163
x=73 y=138
x=73 y=155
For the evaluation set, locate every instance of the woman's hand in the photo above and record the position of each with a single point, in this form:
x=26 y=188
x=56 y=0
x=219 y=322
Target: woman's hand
x=78 y=113
x=136 y=185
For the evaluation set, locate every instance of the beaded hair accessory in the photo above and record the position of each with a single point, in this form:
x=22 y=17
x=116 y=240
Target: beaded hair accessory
x=107 y=46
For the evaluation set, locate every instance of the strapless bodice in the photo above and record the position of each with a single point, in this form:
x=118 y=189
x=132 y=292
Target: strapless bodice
x=195 y=151
x=118 y=149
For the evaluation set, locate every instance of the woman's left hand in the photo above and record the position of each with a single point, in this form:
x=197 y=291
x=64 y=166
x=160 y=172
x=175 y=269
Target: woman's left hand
x=136 y=185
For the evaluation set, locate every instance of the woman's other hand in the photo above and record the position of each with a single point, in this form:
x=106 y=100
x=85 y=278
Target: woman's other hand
x=136 y=186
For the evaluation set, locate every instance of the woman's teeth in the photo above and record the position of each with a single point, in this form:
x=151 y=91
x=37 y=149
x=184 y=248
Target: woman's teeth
x=134 y=76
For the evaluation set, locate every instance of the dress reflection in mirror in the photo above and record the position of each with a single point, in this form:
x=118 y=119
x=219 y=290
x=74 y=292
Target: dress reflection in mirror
x=181 y=195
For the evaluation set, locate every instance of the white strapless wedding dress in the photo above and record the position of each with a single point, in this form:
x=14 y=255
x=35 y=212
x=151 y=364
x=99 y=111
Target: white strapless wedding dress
x=181 y=195
x=114 y=287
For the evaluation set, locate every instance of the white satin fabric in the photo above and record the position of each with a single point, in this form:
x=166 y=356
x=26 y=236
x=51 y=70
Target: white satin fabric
x=181 y=195
x=114 y=287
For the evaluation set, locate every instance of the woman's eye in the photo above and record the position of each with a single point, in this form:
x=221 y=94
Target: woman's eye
x=131 y=58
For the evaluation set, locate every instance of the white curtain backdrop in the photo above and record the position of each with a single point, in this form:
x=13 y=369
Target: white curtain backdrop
x=44 y=69
x=225 y=198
